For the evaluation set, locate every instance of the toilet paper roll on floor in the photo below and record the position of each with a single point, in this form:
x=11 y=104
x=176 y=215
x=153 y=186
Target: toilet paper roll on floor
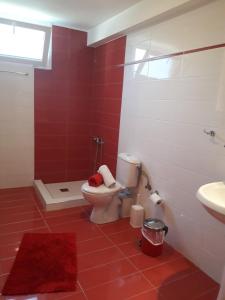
x=137 y=216
x=156 y=199
x=109 y=180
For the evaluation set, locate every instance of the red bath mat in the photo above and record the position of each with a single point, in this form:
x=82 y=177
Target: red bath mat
x=45 y=262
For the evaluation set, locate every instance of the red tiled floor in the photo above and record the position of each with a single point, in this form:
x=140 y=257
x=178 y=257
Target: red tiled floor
x=97 y=258
x=121 y=288
x=18 y=209
x=172 y=270
x=13 y=238
x=92 y=245
x=77 y=295
x=130 y=235
x=120 y=225
x=84 y=229
x=130 y=248
x=8 y=251
x=21 y=226
x=2 y=280
x=19 y=217
x=142 y=261
x=211 y=295
x=189 y=287
x=105 y=273
x=63 y=219
x=6 y=265
x=149 y=295
x=111 y=265
x=15 y=200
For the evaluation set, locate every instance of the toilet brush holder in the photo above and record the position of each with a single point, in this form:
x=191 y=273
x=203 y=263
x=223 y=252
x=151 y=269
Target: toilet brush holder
x=137 y=216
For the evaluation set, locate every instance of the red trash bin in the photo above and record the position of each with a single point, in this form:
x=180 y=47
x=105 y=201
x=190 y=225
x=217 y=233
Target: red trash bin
x=153 y=233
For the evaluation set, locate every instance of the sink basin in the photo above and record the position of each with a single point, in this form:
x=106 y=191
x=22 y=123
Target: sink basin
x=212 y=196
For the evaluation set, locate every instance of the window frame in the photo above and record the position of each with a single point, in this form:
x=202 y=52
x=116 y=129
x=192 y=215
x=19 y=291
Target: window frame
x=47 y=45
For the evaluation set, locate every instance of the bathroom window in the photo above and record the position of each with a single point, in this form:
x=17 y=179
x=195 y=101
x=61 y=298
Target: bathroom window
x=24 y=43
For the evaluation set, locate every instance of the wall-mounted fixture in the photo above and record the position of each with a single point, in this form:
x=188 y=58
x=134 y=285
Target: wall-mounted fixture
x=143 y=173
x=213 y=134
x=98 y=140
x=210 y=132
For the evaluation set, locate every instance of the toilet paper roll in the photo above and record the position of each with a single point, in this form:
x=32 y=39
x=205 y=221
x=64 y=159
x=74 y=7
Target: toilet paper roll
x=137 y=216
x=156 y=199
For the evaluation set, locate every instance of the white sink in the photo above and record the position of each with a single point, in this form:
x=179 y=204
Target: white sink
x=212 y=196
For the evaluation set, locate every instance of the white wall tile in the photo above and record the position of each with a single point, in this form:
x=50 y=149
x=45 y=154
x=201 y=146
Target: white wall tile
x=16 y=126
x=167 y=110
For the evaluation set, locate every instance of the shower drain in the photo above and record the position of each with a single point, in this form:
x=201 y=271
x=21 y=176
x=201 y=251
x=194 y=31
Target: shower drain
x=63 y=190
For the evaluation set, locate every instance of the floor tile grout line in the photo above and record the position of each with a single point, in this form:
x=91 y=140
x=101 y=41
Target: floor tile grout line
x=64 y=216
x=64 y=223
x=13 y=196
x=158 y=265
x=91 y=239
x=28 y=220
x=62 y=213
x=142 y=293
x=18 y=203
x=25 y=230
x=103 y=265
x=114 y=233
x=18 y=206
x=177 y=279
x=32 y=210
x=9 y=245
x=109 y=281
x=16 y=198
x=95 y=251
x=205 y=293
x=82 y=290
x=43 y=219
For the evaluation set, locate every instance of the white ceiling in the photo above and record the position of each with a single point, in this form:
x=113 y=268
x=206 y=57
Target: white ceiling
x=82 y=14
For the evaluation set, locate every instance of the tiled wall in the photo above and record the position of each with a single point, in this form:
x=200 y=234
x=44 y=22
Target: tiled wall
x=16 y=126
x=106 y=98
x=62 y=100
x=167 y=103
x=76 y=100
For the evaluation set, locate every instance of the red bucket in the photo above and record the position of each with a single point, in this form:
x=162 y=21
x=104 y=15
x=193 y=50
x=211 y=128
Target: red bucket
x=150 y=249
x=153 y=233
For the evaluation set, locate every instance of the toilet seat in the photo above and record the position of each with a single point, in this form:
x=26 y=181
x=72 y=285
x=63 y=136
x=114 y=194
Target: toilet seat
x=101 y=190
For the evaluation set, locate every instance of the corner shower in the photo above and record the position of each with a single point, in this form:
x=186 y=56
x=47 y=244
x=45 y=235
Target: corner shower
x=62 y=195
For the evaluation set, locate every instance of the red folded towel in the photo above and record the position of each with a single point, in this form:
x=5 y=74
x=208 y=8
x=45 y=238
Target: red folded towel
x=95 y=180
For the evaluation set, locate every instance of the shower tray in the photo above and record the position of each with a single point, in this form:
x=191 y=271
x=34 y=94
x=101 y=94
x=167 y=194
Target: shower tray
x=55 y=196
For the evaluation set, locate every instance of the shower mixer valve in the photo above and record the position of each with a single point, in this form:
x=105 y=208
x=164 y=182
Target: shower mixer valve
x=98 y=140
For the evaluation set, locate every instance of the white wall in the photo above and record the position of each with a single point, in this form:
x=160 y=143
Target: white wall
x=142 y=13
x=16 y=126
x=166 y=105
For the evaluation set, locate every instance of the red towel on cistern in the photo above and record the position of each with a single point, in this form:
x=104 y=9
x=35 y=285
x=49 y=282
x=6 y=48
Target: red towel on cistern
x=95 y=180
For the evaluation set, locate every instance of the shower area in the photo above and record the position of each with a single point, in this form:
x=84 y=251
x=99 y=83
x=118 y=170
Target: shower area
x=55 y=196
x=77 y=114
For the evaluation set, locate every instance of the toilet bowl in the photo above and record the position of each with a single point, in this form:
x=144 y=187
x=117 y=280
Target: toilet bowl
x=104 y=201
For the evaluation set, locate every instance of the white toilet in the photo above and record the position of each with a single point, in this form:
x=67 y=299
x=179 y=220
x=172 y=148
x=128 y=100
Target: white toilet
x=105 y=200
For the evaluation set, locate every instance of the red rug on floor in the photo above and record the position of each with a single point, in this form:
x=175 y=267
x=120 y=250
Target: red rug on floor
x=45 y=262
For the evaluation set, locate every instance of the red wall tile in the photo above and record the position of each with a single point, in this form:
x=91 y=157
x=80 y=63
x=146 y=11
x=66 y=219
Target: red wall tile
x=106 y=98
x=79 y=98
x=62 y=98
